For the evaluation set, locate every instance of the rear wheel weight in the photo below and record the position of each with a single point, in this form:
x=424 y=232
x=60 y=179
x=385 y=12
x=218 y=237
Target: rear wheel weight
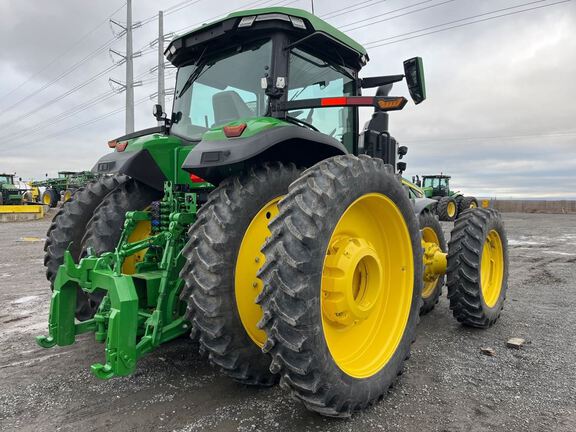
x=432 y=232
x=222 y=259
x=318 y=237
x=478 y=267
x=68 y=227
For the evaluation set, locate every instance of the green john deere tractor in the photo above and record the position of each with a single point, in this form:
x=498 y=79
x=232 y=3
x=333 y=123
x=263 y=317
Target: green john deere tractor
x=62 y=188
x=259 y=220
x=10 y=193
x=450 y=203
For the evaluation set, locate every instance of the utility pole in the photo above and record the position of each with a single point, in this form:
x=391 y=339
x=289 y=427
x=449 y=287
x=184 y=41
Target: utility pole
x=129 y=70
x=161 y=90
x=128 y=58
x=162 y=65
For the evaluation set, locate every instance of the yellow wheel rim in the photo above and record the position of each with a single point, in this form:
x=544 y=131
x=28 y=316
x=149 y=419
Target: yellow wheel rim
x=492 y=268
x=451 y=209
x=46 y=199
x=429 y=236
x=367 y=284
x=250 y=259
x=473 y=204
x=67 y=196
x=142 y=230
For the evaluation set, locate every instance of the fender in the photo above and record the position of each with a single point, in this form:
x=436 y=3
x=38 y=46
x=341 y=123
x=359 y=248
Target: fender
x=213 y=160
x=137 y=164
x=423 y=204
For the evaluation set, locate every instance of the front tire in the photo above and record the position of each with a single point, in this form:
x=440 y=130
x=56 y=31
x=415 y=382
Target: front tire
x=467 y=203
x=50 y=198
x=447 y=209
x=478 y=267
x=340 y=308
x=223 y=258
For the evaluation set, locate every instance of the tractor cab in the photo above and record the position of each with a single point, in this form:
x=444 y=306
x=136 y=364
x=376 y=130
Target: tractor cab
x=7 y=179
x=436 y=185
x=254 y=73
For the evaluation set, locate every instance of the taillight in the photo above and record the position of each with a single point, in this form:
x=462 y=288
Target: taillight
x=121 y=146
x=234 y=131
x=196 y=179
x=112 y=143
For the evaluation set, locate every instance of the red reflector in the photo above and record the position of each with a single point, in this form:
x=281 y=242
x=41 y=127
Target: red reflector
x=234 y=131
x=196 y=179
x=121 y=146
x=335 y=101
x=112 y=143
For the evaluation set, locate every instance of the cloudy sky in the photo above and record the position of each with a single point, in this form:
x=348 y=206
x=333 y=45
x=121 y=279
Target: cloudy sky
x=500 y=115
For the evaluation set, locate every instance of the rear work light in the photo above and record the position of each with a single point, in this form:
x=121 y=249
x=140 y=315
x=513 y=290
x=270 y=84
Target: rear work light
x=234 y=131
x=112 y=143
x=121 y=146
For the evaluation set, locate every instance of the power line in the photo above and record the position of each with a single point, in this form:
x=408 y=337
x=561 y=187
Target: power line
x=535 y=135
x=63 y=74
x=357 y=6
x=58 y=57
x=63 y=95
x=461 y=25
x=41 y=126
x=396 y=16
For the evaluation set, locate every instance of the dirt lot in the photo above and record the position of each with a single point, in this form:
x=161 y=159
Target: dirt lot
x=448 y=385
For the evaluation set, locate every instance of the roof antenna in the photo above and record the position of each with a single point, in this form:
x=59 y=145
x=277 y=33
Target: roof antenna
x=312 y=3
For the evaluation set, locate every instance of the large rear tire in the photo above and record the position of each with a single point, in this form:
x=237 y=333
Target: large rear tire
x=342 y=284
x=68 y=228
x=432 y=233
x=223 y=258
x=105 y=228
x=478 y=267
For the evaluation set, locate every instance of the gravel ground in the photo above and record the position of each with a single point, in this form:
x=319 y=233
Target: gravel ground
x=448 y=384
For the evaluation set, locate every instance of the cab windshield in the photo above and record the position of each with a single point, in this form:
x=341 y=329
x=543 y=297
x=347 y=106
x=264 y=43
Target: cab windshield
x=220 y=90
x=5 y=179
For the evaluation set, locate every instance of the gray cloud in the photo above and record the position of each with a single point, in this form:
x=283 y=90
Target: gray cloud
x=510 y=77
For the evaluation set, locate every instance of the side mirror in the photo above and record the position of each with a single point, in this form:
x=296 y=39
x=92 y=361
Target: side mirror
x=158 y=112
x=414 y=71
x=384 y=90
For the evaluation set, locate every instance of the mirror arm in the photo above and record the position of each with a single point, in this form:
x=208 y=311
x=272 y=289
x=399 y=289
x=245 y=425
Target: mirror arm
x=377 y=81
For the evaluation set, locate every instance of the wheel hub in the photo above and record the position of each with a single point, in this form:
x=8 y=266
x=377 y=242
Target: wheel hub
x=351 y=281
x=435 y=262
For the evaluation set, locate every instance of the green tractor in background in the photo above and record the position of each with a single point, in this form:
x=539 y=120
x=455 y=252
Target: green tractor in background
x=10 y=193
x=62 y=187
x=450 y=203
x=258 y=220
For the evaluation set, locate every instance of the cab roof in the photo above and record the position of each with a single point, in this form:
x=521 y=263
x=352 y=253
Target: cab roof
x=436 y=176
x=189 y=45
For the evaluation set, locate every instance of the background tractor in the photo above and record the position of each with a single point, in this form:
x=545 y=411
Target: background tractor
x=10 y=192
x=62 y=188
x=450 y=203
x=260 y=221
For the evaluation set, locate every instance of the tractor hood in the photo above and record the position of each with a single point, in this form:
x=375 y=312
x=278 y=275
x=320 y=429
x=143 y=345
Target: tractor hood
x=248 y=24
